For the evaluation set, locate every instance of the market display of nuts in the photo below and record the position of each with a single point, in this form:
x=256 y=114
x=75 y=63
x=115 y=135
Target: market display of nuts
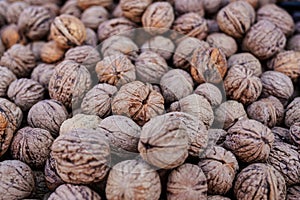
x=7 y=77
x=211 y=92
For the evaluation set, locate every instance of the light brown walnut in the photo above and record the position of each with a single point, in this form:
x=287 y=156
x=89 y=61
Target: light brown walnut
x=134 y=10
x=51 y=52
x=84 y=4
x=247 y=60
x=10 y=35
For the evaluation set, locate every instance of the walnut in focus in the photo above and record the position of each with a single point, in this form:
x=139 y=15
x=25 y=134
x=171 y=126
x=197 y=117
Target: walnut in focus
x=42 y=73
x=51 y=52
x=134 y=10
x=294 y=133
x=187 y=6
x=10 y=35
x=84 y=4
x=7 y=77
x=94 y=16
x=14 y=10
x=224 y=42
x=211 y=92
x=163 y=46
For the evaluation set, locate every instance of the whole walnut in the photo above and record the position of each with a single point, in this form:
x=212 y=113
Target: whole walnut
x=36 y=47
x=81 y=149
x=236 y=18
x=187 y=182
x=163 y=46
x=14 y=10
x=91 y=38
x=42 y=73
x=293 y=192
x=242 y=85
x=98 y=100
x=247 y=60
x=84 y=4
x=69 y=83
x=134 y=10
x=249 y=140
x=70 y=8
x=251 y=183
x=25 y=93
x=138 y=101
x=212 y=6
x=34 y=22
x=93 y=16
x=292 y=112
x=224 y=42
x=294 y=133
x=187 y=6
x=19 y=60
x=52 y=179
x=264 y=40
x=51 y=52
x=211 y=92
x=220 y=167
x=10 y=35
x=17 y=180
x=278 y=16
x=158 y=17
x=48 y=115
x=68 y=31
x=209 y=65
x=294 y=43
x=7 y=77
x=132 y=179
x=69 y=191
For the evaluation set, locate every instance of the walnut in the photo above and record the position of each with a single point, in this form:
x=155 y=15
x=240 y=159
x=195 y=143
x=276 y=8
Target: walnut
x=294 y=133
x=19 y=60
x=70 y=7
x=68 y=31
x=117 y=11
x=91 y=38
x=51 y=52
x=51 y=177
x=48 y=115
x=264 y=40
x=216 y=136
x=220 y=167
x=14 y=10
x=187 y=6
x=17 y=181
x=163 y=46
x=36 y=47
x=294 y=43
x=7 y=77
x=98 y=100
x=292 y=112
x=212 y=6
x=282 y=135
x=138 y=101
x=293 y=192
x=249 y=140
x=187 y=182
x=41 y=2
x=42 y=73
x=81 y=149
x=134 y=10
x=211 y=92
x=94 y=16
x=212 y=25
x=25 y=93
x=10 y=36
x=84 y=4
x=209 y=65
x=69 y=83
x=134 y=180
x=236 y=18
x=224 y=42
x=53 y=8
x=259 y=181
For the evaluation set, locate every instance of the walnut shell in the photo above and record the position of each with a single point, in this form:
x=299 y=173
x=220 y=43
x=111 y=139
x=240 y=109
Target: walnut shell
x=187 y=182
x=163 y=46
x=292 y=112
x=211 y=93
x=293 y=192
x=224 y=42
x=93 y=16
x=42 y=73
x=36 y=47
x=51 y=177
x=212 y=6
x=294 y=133
x=7 y=77
x=188 y=6
x=282 y=135
x=51 y=52
x=84 y=4
x=216 y=136
x=14 y=10
x=70 y=7
x=134 y=10
x=253 y=3
x=294 y=43
x=10 y=36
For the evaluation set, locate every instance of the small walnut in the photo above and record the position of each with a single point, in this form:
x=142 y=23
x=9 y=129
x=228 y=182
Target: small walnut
x=247 y=60
x=282 y=135
x=163 y=46
x=264 y=40
x=36 y=47
x=17 y=181
x=51 y=177
x=293 y=192
x=134 y=180
x=294 y=133
x=294 y=43
x=42 y=73
x=211 y=92
x=7 y=77
x=187 y=6
x=236 y=18
x=14 y=10
x=259 y=181
x=187 y=182
x=10 y=36
x=68 y=31
x=19 y=60
x=98 y=100
x=51 y=52
x=212 y=6
x=209 y=65
x=70 y=8
x=94 y=16
x=224 y=42
x=220 y=167
x=25 y=93
x=249 y=140
x=138 y=101
x=134 y=10
x=48 y=115
x=68 y=191
x=91 y=38
x=84 y=4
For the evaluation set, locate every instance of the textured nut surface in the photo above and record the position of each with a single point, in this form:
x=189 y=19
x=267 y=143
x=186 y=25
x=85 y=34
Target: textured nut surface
x=134 y=10
x=281 y=135
x=224 y=42
x=42 y=73
x=163 y=46
x=51 y=177
x=294 y=133
x=14 y=10
x=212 y=6
x=70 y=7
x=293 y=192
x=187 y=6
x=51 y=52
x=292 y=112
x=211 y=92
x=294 y=43
x=247 y=60
x=36 y=47
x=94 y=16
x=7 y=77
x=187 y=182
x=84 y=4
x=10 y=35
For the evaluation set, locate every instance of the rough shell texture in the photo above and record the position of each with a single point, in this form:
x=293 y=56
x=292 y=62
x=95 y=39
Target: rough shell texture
x=81 y=149
x=187 y=182
x=134 y=180
x=84 y=4
x=252 y=181
x=14 y=10
x=187 y=6
x=224 y=42
x=51 y=177
x=163 y=46
x=17 y=181
x=293 y=192
x=216 y=136
x=42 y=73
x=247 y=60
x=211 y=92
x=7 y=77
x=134 y=10
x=94 y=16
x=282 y=135
x=294 y=133
x=51 y=52
x=10 y=36
x=294 y=43
x=220 y=167
x=292 y=112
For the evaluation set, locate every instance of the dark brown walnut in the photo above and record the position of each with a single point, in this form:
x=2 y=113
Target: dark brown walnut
x=217 y=197
x=249 y=140
x=17 y=181
x=70 y=8
x=224 y=42
x=84 y=4
x=51 y=52
x=7 y=77
x=212 y=6
x=253 y=3
x=150 y=67
x=247 y=60
x=293 y=192
x=220 y=167
x=259 y=181
x=228 y=113
x=69 y=83
x=138 y=101
x=264 y=40
x=163 y=46
x=134 y=10
x=51 y=177
x=236 y=18
x=94 y=16
x=36 y=47
x=48 y=115
x=187 y=6
x=81 y=149
x=184 y=51
x=294 y=43
x=41 y=189
x=242 y=85
x=69 y=191
x=32 y=146
x=14 y=10
x=211 y=92
x=286 y=62
x=282 y=135
x=158 y=17
x=176 y=84
x=208 y=65
x=10 y=36
x=187 y=182
x=292 y=113
x=278 y=16
x=3 y=9
x=268 y=111
x=25 y=93
x=98 y=100
x=134 y=180
x=191 y=25
x=286 y=159
x=42 y=73
x=91 y=38
x=68 y=31
x=278 y=85
x=19 y=60
x=294 y=133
